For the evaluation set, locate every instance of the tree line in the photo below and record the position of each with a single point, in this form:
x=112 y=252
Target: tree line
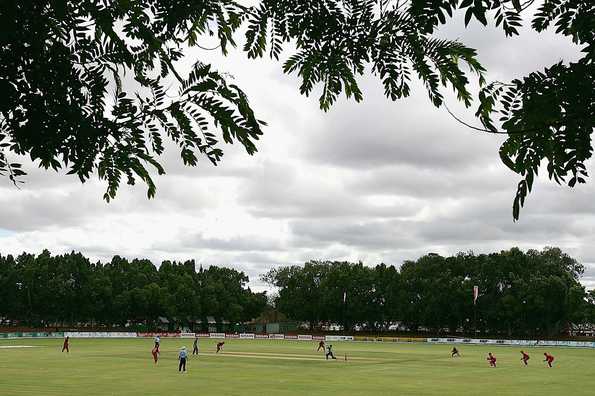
x=528 y=293
x=520 y=293
x=69 y=289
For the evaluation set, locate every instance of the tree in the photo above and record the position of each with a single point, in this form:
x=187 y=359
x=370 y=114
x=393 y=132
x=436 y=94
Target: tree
x=11 y=287
x=301 y=294
x=387 y=295
x=66 y=104
x=548 y=115
x=69 y=289
x=521 y=293
x=438 y=293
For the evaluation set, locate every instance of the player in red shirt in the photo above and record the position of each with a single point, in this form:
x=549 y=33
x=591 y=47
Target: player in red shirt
x=549 y=359
x=525 y=357
x=65 y=345
x=492 y=359
x=155 y=353
x=220 y=346
x=320 y=346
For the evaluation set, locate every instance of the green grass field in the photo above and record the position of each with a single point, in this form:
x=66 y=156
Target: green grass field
x=262 y=367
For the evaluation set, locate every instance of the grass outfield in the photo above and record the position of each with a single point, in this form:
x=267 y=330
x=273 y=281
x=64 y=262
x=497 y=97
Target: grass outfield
x=263 y=367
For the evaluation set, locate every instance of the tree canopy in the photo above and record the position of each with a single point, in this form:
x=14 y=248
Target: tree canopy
x=70 y=289
x=522 y=293
x=532 y=293
x=86 y=83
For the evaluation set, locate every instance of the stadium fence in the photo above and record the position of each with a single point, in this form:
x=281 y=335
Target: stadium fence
x=298 y=337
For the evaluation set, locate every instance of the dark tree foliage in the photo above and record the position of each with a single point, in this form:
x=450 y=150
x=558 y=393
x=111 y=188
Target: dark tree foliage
x=336 y=40
x=523 y=293
x=69 y=289
x=86 y=82
x=549 y=115
x=85 y=85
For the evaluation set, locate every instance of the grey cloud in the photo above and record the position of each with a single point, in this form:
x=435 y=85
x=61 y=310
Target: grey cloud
x=539 y=230
x=427 y=183
x=368 y=235
x=74 y=204
x=66 y=202
x=235 y=244
x=561 y=200
x=380 y=133
x=284 y=193
x=512 y=57
x=488 y=217
x=28 y=210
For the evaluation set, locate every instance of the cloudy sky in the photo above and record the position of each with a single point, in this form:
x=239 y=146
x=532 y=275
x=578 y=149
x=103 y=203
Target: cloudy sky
x=378 y=181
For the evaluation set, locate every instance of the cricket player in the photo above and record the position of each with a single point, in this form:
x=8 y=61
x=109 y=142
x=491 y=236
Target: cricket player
x=195 y=346
x=182 y=358
x=549 y=359
x=525 y=358
x=491 y=359
x=320 y=346
x=66 y=344
x=329 y=352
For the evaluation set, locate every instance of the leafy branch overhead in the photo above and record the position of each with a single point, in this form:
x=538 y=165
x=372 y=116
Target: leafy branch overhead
x=335 y=41
x=549 y=115
x=88 y=84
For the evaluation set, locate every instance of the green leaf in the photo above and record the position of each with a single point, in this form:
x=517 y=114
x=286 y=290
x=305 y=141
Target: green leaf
x=468 y=15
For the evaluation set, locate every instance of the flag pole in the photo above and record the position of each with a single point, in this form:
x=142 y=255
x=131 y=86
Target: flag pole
x=343 y=312
x=474 y=320
x=475 y=296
